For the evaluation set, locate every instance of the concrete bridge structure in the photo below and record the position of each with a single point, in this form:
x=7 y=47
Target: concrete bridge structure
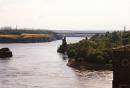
x=121 y=67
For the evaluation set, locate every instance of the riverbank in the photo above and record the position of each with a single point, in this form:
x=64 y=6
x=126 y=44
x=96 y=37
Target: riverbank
x=95 y=53
x=9 y=35
x=26 y=38
x=82 y=66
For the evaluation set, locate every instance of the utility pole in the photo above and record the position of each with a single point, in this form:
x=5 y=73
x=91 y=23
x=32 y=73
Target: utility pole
x=124 y=28
x=16 y=27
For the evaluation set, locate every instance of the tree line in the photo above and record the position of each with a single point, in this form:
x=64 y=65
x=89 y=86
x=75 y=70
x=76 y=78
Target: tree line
x=97 y=49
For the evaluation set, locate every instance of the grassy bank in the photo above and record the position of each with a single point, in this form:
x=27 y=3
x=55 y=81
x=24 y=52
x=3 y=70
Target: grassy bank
x=25 y=38
x=24 y=35
x=27 y=35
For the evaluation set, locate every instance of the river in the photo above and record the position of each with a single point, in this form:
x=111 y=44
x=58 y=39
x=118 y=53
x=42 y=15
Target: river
x=38 y=65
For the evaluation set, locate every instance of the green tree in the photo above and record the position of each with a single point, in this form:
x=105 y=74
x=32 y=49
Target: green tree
x=63 y=47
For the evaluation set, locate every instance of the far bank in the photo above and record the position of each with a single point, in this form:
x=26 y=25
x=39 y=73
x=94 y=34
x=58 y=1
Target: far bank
x=27 y=36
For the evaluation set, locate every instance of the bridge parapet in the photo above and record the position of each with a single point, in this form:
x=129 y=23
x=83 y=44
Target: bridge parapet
x=121 y=67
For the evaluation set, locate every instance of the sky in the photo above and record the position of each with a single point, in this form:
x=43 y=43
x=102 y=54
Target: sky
x=66 y=14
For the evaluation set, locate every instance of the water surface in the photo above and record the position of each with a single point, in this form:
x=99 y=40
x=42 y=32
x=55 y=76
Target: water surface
x=38 y=65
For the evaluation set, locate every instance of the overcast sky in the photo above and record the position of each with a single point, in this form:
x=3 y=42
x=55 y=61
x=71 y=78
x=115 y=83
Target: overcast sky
x=66 y=14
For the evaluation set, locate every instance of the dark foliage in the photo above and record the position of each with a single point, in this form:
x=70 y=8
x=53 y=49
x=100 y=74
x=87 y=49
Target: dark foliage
x=63 y=47
x=98 y=49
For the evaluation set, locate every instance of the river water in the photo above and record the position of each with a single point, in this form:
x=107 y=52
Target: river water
x=38 y=65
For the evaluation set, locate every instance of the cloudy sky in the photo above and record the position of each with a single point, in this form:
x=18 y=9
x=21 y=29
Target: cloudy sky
x=66 y=14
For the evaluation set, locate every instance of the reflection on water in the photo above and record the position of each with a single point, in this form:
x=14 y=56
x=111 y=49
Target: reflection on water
x=38 y=65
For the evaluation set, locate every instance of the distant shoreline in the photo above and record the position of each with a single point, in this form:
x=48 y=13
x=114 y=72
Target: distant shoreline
x=26 y=38
x=9 y=35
